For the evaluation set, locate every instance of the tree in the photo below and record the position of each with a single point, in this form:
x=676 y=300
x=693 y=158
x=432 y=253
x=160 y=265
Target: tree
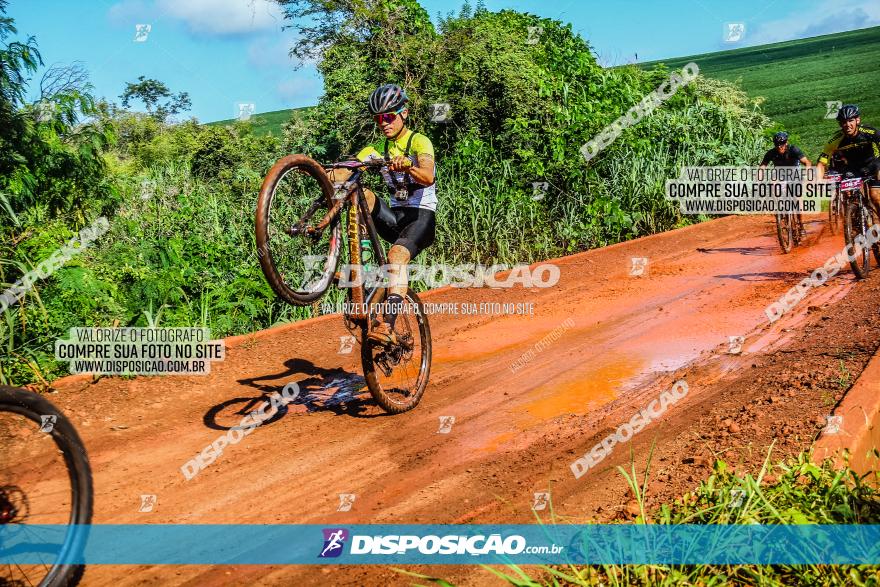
x=360 y=45
x=63 y=79
x=156 y=97
x=322 y=24
x=17 y=61
x=51 y=163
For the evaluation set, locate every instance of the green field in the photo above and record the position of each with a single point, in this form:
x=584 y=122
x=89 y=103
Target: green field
x=267 y=122
x=796 y=78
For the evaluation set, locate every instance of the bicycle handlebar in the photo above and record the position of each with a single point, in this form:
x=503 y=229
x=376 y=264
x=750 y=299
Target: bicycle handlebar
x=381 y=164
x=354 y=164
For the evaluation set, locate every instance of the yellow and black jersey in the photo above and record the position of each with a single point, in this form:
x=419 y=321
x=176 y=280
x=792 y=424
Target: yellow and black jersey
x=421 y=196
x=855 y=152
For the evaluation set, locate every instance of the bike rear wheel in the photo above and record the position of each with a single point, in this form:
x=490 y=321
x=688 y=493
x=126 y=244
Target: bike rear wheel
x=398 y=375
x=34 y=490
x=298 y=264
x=784 y=231
x=855 y=224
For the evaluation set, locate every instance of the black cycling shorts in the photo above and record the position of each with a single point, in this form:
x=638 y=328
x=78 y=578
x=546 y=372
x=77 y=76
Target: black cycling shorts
x=412 y=228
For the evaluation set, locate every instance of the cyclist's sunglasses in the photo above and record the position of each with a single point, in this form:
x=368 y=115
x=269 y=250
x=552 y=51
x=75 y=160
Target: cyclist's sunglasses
x=388 y=117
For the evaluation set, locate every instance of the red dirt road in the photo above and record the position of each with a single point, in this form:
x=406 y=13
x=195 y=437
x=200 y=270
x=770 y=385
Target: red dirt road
x=514 y=434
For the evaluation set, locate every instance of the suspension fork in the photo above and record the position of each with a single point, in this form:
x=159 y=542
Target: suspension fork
x=354 y=255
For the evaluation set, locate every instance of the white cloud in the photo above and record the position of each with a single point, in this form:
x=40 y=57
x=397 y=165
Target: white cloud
x=829 y=17
x=299 y=90
x=223 y=17
x=270 y=52
x=128 y=12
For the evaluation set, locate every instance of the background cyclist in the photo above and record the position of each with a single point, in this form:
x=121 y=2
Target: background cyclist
x=785 y=155
x=856 y=149
x=408 y=222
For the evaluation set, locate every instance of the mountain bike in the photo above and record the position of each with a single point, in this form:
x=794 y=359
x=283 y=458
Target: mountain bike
x=788 y=230
x=789 y=227
x=835 y=206
x=45 y=479
x=300 y=215
x=858 y=218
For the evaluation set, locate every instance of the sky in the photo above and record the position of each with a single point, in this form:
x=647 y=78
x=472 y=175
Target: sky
x=230 y=52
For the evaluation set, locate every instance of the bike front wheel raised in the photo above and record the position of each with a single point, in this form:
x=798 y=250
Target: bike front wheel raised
x=398 y=375
x=297 y=258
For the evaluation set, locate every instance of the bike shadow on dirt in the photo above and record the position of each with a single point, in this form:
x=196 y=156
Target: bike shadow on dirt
x=332 y=390
x=764 y=276
x=750 y=251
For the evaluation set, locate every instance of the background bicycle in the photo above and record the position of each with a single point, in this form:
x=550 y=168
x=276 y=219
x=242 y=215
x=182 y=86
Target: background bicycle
x=858 y=217
x=788 y=230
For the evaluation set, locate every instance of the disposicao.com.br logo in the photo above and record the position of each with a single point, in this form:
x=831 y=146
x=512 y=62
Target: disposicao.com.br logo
x=334 y=542
x=449 y=544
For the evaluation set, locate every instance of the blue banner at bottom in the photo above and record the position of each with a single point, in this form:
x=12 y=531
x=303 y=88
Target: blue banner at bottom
x=179 y=544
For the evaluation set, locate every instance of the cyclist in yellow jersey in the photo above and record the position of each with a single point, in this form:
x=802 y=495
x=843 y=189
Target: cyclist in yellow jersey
x=857 y=148
x=409 y=221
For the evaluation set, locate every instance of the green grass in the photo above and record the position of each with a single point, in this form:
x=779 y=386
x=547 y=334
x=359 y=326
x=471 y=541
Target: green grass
x=267 y=122
x=794 y=491
x=796 y=78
